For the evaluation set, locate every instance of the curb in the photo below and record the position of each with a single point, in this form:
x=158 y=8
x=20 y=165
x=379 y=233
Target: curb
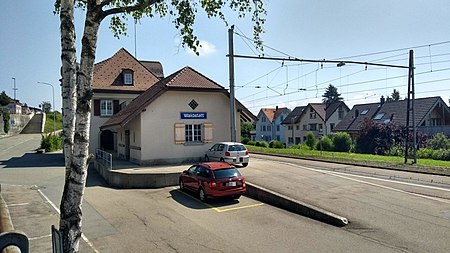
x=295 y=206
x=5 y=219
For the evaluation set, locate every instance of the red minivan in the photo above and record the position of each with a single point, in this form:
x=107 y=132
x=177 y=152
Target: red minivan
x=213 y=179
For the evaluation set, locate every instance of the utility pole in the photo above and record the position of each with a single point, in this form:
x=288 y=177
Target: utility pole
x=410 y=109
x=54 y=111
x=14 y=89
x=231 y=73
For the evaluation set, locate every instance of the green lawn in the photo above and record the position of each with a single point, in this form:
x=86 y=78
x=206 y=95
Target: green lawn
x=425 y=165
x=49 y=122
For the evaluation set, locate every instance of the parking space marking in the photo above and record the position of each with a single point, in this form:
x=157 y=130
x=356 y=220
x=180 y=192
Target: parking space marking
x=236 y=208
x=216 y=208
x=19 y=204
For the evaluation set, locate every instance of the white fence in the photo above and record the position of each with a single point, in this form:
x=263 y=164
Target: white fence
x=104 y=158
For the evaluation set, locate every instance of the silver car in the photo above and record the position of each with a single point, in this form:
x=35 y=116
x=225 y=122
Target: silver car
x=230 y=152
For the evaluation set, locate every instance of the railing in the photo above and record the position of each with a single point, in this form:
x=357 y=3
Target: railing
x=104 y=158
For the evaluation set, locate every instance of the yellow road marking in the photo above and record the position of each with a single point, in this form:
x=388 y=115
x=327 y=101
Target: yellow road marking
x=236 y=208
x=216 y=208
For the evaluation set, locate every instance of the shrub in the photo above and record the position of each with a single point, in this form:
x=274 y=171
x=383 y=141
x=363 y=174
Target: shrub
x=6 y=118
x=245 y=140
x=262 y=144
x=300 y=146
x=439 y=141
x=396 y=150
x=311 y=140
x=342 y=142
x=325 y=143
x=276 y=144
x=252 y=143
x=51 y=142
x=426 y=153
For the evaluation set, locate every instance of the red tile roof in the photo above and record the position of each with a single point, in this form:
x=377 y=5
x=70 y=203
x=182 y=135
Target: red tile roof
x=273 y=113
x=186 y=79
x=107 y=73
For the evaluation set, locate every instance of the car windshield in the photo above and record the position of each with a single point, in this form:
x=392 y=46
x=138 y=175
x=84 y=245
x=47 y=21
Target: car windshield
x=236 y=148
x=226 y=173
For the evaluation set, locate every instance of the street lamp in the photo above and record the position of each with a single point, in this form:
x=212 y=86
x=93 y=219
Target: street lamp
x=54 y=112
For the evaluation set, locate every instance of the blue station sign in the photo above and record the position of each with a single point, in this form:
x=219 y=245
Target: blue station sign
x=193 y=115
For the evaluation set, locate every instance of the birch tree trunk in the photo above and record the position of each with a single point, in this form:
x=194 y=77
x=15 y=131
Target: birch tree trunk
x=71 y=202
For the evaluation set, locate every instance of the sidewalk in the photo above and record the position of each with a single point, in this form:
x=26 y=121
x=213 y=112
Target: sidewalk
x=32 y=214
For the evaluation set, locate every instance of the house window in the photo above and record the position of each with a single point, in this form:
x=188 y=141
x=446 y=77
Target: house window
x=331 y=126
x=106 y=107
x=297 y=140
x=290 y=140
x=320 y=128
x=269 y=128
x=340 y=113
x=263 y=119
x=122 y=105
x=297 y=127
x=365 y=112
x=278 y=138
x=128 y=77
x=305 y=127
x=263 y=128
x=281 y=118
x=278 y=128
x=313 y=127
x=379 y=116
x=193 y=133
x=289 y=127
x=312 y=113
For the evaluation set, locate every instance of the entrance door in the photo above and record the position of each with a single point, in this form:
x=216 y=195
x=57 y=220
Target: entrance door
x=107 y=140
x=127 y=145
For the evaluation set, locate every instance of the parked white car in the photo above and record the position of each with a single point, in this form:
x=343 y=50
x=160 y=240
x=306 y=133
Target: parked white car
x=230 y=152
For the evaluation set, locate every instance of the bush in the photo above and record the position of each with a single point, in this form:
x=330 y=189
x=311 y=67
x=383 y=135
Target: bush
x=51 y=142
x=252 y=143
x=342 y=142
x=245 y=140
x=396 y=150
x=262 y=144
x=439 y=141
x=426 y=153
x=300 y=146
x=276 y=144
x=325 y=143
x=6 y=118
x=311 y=140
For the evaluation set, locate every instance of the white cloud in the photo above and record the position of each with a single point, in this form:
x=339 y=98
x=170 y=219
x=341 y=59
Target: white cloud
x=206 y=48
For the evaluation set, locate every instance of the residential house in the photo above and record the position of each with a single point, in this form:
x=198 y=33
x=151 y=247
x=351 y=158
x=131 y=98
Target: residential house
x=319 y=118
x=268 y=124
x=175 y=120
x=116 y=82
x=432 y=115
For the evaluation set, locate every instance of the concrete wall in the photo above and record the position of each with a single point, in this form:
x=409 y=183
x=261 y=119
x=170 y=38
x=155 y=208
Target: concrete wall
x=159 y=119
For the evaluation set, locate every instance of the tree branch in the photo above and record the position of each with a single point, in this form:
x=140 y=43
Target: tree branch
x=104 y=3
x=130 y=8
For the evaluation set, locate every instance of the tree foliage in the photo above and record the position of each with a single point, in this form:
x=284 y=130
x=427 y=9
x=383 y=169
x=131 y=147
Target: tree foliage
x=4 y=99
x=46 y=106
x=439 y=141
x=246 y=129
x=331 y=95
x=311 y=140
x=342 y=142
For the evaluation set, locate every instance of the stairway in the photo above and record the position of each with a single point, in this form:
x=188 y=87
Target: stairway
x=35 y=125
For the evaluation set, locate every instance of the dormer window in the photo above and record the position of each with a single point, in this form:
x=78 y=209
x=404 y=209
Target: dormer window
x=128 y=77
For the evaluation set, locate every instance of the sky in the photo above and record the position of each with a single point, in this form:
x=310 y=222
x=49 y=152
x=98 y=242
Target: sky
x=368 y=31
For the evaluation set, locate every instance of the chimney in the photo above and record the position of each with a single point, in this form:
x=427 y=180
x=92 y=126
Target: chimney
x=382 y=100
x=356 y=113
x=276 y=108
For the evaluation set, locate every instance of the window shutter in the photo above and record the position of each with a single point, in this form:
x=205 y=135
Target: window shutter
x=179 y=134
x=116 y=106
x=96 y=107
x=207 y=132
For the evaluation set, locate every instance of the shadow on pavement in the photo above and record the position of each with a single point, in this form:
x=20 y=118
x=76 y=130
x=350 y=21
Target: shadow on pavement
x=95 y=179
x=190 y=200
x=29 y=160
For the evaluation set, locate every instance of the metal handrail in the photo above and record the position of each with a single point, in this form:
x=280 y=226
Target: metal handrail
x=104 y=158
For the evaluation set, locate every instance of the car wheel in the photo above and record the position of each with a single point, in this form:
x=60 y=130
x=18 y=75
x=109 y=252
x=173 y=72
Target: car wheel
x=221 y=160
x=182 y=185
x=236 y=196
x=244 y=164
x=206 y=158
x=202 y=195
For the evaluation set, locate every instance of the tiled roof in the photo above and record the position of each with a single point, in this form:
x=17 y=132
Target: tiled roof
x=394 y=111
x=273 y=113
x=186 y=79
x=107 y=73
x=155 y=67
x=294 y=115
x=331 y=108
x=319 y=108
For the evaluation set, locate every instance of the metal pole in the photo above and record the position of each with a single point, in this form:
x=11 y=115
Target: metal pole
x=54 y=112
x=408 y=102
x=231 y=73
x=14 y=89
x=412 y=105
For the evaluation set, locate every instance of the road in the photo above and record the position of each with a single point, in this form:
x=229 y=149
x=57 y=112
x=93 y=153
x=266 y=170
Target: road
x=388 y=211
